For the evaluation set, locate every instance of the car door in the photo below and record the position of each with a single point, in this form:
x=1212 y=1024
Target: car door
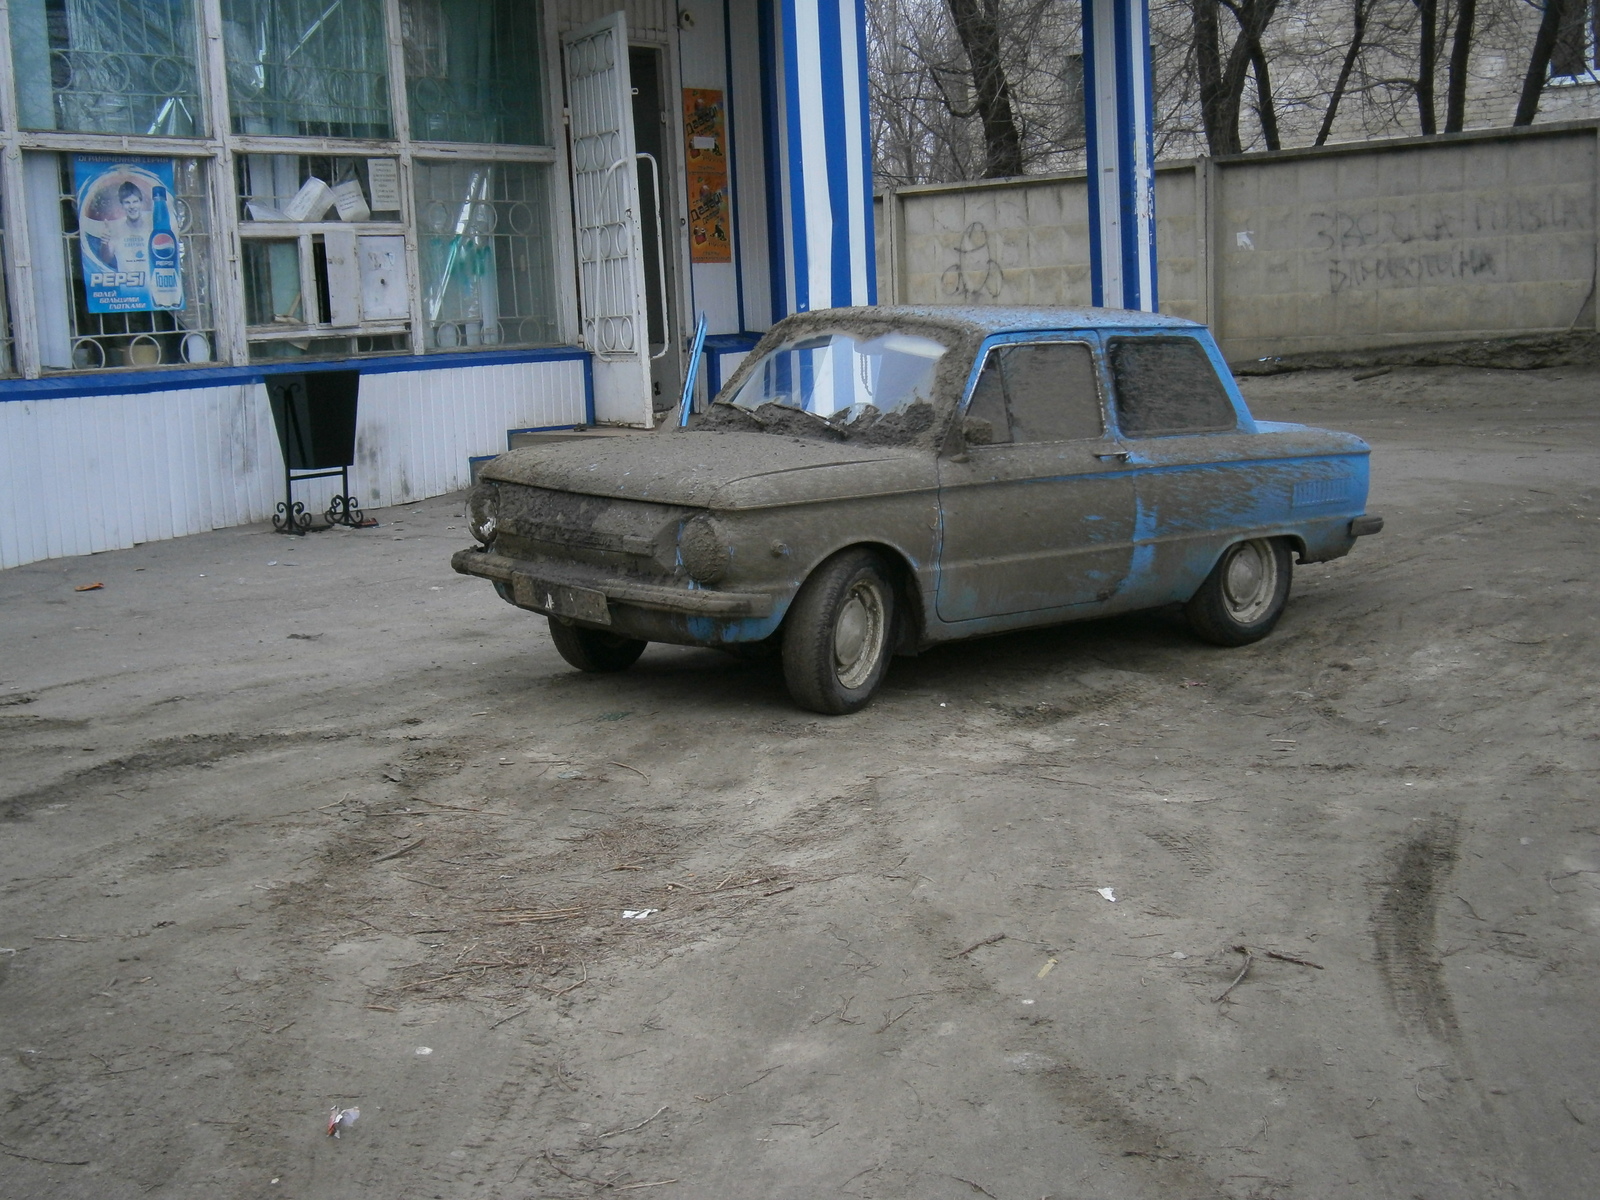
x=1040 y=517
x=1191 y=457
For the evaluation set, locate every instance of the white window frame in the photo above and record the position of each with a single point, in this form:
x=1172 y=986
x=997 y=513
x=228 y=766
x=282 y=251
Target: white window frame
x=219 y=147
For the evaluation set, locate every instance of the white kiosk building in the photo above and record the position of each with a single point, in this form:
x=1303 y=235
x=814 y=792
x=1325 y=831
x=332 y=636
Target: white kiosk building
x=505 y=215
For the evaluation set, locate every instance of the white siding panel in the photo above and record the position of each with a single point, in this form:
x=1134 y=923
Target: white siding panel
x=88 y=473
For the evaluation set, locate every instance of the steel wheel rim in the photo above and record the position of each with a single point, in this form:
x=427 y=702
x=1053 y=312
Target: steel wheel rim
x=1250 y=581
x=858 y=634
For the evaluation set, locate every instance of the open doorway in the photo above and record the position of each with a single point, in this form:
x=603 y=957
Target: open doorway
x=658 y=228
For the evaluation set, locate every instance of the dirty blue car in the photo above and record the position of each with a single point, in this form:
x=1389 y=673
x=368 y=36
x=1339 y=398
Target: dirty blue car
x=875 y=481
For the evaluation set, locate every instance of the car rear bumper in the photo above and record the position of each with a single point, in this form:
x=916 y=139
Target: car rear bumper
x=586 y=595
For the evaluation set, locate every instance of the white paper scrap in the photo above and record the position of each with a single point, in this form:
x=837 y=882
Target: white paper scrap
x=637 y=914
x=312 y=200
x=342 y=1118
x=351 y=203
x=1109 y=893
x=264 y=212
x=383 y=180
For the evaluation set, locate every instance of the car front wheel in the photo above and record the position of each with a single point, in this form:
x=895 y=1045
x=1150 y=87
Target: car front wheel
x=836 y=641
x=1243 y=597
x=594 y=649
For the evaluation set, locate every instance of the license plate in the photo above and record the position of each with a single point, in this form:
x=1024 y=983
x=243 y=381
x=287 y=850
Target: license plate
x=578 y=604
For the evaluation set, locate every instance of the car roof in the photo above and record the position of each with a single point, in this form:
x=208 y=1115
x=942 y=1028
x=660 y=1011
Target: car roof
x=988 y=319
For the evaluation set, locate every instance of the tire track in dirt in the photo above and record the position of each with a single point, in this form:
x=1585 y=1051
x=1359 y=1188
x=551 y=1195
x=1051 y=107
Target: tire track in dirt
x=1403 y=928
x=187 y=750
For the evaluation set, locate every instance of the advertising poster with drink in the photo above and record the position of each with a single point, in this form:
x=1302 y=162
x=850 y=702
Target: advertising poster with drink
x=705 y=153
x=131 y=259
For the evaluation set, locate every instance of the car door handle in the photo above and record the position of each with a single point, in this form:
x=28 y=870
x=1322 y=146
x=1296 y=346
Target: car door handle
x=1114 y=455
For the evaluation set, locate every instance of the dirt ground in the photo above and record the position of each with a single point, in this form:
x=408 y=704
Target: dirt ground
x=288 y=825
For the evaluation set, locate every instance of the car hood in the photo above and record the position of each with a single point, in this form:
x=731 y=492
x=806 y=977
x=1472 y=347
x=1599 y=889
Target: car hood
x=705 y=469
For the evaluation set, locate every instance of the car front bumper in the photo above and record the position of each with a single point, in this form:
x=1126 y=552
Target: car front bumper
x=592 y=596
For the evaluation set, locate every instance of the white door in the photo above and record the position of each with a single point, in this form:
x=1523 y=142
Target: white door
x=605 y=202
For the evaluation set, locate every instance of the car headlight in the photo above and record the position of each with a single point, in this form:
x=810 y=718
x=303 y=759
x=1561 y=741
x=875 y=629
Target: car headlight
x=703 y=550
x=485 y=512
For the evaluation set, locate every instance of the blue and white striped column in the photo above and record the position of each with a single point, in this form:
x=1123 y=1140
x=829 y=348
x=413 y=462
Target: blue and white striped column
x=1121 y=135
x=819 y=155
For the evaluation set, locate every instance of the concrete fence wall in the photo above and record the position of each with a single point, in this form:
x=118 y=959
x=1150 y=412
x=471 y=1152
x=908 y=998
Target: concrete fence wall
x=1484 y=234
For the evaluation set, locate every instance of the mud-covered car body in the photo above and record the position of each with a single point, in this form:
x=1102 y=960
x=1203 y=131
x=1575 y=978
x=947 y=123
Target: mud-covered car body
x=704 y=536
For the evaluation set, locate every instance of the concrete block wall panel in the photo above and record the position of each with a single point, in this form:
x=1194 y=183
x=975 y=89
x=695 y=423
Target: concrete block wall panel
x=80 y=474
x=1486 y=234
x=1454 y=239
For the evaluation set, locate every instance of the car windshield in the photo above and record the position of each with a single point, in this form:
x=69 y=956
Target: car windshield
x=844 y=383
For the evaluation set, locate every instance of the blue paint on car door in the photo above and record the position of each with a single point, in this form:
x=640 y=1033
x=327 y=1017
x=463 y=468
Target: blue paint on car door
x=1037 y=511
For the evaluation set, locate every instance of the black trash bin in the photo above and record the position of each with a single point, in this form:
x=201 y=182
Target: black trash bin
x=315 y=414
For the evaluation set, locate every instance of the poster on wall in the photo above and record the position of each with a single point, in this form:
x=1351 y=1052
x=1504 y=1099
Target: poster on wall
x=131 y=259
x=705 y=155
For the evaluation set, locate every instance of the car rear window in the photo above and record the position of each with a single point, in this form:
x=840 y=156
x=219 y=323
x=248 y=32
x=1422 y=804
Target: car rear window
x=1168 y=385
x=1038 y=392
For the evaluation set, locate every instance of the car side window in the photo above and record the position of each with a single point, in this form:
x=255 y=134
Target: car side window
x=1052 y=392
x=1168 y=386
x=987 y=422
x=1038 y=392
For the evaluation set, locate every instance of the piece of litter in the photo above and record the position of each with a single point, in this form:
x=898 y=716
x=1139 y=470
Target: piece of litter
x=1049 y=965
x=424 y=1051
x=273 y=563
x=340 y=1118
x=1027 y=1001
x=1194 y=683
x=637 y=914
x=1179 y=954
x=88 y=587
x=1109 y=893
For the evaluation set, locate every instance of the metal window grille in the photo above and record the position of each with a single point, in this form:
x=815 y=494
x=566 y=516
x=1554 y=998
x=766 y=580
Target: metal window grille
x=106 y=66
x=468 y=75
x=307 y=68
x=92 y=340
x=485 y=244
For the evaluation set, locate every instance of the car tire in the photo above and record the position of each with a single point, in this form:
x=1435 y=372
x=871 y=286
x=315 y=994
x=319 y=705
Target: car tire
x=1243 y=597
x=594 y=650
x=838 y=638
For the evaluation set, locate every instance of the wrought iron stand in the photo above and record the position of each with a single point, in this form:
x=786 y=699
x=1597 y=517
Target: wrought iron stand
x=316 y=418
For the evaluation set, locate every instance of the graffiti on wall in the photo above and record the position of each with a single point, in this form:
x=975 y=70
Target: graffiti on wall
x=1397 y=247
x=974 y=277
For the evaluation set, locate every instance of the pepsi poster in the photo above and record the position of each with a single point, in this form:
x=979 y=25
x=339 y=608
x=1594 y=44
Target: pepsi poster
x=132 y=261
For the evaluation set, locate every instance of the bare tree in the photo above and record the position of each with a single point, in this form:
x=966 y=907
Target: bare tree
x=1352 y=52
x=1222 y=78
x=1455 y=101
x=976 y=26
x=1544 y=45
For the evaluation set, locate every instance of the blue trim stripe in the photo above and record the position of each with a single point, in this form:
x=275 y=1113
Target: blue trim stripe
x=135 y=383
x=1091 y=124
x=777 y=276
x=1121 y=144
x=831 y=69
x=823 y=189
x=794 y=159
x=870 y=242
x=733 y=160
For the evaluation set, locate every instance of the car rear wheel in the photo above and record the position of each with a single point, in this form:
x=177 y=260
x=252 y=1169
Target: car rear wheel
x=594 y=649
x=836 y=641
x=1243 y=597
